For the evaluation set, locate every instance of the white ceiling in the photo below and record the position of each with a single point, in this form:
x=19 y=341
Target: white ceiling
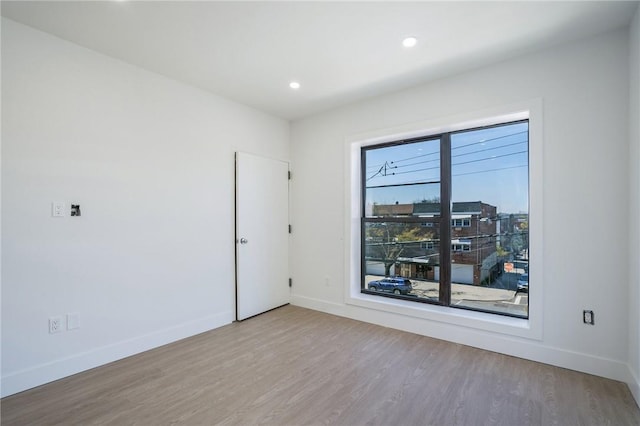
x=340 y=52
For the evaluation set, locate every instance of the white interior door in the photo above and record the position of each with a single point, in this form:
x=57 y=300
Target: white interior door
x=262 y=234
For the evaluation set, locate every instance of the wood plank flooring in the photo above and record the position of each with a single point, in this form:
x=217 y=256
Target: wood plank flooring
x=294 y=366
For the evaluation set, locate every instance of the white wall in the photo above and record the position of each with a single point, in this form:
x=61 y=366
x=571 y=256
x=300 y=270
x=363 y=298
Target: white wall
x=150 y=161
x=634 y=206
x=584 y=91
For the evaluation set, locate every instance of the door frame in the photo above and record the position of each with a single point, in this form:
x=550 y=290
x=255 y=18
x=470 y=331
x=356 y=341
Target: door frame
x=237 y=236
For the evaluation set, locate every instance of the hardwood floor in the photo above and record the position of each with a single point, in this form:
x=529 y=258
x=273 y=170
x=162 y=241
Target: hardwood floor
x=294 y=366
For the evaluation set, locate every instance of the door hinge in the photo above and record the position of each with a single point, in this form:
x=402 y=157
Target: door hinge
x=289 y=228
x=289 y=174
x=290 y=282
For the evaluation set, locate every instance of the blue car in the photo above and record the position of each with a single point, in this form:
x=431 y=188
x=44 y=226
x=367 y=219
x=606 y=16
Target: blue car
x=392 y=285
x=523 y=283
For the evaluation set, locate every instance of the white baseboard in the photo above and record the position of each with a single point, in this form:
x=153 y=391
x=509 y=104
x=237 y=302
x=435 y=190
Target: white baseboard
x=522 y=348
x=44 y=373
x=338 y=309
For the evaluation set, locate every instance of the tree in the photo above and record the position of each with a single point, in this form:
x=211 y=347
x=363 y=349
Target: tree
x=434 y=199
x=501 y=251
x=387 y=241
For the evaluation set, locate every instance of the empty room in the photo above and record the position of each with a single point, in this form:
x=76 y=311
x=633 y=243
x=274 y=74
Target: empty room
x=344 y=213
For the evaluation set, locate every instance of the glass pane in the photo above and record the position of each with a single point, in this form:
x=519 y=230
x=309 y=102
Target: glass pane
x=398 y=176
x=403 y=250
x=490 y=219
x=385 y=201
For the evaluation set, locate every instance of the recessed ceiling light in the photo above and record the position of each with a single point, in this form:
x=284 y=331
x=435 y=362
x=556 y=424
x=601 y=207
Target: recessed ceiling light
x=409 y=42
x=294 y=85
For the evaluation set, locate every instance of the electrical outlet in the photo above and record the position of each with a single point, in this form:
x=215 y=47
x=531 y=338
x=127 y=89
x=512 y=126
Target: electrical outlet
x=55 y=325
x=587 y=317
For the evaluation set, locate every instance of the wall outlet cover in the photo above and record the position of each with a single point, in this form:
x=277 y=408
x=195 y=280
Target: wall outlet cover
x=55 y=325
x=587 y=317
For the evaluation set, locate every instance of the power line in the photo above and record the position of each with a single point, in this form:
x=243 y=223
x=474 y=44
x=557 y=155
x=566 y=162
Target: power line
x=415 y=171
x=386 y=165
x=417 y=156
x=432 y=182
x=458 y=164
x=488 y=149
x=490 y=170
x=489 y=140
x=461 y=237
x=382 y=170
x=489 y=158
x=461 y=155
x=457 y=147
x=376 y=174
x=419 y=162
x=424 y=181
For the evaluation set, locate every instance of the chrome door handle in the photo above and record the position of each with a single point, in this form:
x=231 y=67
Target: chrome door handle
x=243 y=241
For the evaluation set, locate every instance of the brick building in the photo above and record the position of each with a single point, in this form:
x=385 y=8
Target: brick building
x=473 y=242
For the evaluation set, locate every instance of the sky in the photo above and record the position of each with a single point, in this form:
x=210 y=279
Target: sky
x=488 y=165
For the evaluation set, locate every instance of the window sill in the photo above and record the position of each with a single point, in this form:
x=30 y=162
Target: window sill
x=458 y=317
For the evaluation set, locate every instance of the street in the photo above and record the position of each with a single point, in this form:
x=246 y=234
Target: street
x=502 y=297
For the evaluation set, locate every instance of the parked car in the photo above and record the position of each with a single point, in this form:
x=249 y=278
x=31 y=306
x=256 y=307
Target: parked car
x=393 y=285
x=523 y=283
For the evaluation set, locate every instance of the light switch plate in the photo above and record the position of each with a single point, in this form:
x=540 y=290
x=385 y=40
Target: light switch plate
x=73 y=321
x=57 y=209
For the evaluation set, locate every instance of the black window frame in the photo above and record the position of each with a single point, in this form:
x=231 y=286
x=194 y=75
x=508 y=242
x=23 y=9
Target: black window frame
x=446 y=222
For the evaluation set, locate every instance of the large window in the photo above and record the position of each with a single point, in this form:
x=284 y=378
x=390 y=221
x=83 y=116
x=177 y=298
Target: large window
x=468 y=189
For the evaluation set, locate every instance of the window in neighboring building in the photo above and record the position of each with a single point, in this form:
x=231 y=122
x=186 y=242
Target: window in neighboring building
x=480 y=176
x=461 y=246
x=461 y=223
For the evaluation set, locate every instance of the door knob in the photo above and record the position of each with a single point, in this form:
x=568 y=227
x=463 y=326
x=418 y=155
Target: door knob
x=243 y=241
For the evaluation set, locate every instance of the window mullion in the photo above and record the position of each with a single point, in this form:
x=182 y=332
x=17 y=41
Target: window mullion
x=445 y=222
